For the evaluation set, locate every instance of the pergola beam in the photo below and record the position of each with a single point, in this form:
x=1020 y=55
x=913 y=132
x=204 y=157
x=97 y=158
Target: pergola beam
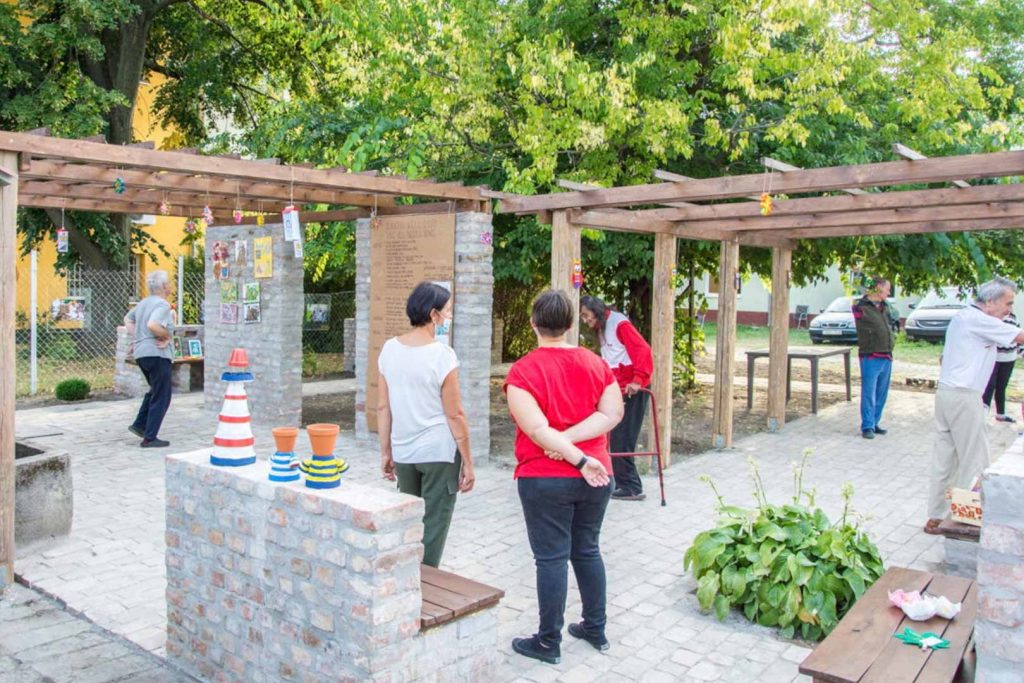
x=783 y=167
x=939 y=169
x=975 y=194
x=141 y=159
x=914 y=155
x=586 y=187
x=634 y=221
x=968 y=225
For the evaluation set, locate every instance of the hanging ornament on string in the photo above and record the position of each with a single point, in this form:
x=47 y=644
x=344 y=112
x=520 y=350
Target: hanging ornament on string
x=208 y=214
x=577 y=274
x=165 y=208
x=191 y=227
x=119 y=185
x=62 y=235
x=374 y=220
x=237 y=213
x=259 y=214
x=766 y=194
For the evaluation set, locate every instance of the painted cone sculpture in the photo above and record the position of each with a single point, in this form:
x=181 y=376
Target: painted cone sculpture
x=281 y=462
x=233 y=442
x=323 y=470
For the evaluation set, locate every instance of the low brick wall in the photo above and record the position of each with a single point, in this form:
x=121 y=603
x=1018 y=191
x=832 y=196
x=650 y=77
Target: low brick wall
x=128 y=379
x=999 y=631
x=276 y=582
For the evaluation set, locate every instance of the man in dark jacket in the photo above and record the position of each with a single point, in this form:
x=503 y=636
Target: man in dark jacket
x=874 y=321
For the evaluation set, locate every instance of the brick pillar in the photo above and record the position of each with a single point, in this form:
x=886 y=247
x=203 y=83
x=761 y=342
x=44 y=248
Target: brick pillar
x=999 y=629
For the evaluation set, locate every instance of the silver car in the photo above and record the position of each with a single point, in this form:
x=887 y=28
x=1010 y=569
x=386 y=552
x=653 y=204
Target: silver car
x=930 y=317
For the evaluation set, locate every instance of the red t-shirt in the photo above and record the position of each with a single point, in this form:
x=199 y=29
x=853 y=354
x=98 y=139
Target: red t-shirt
x=567 y=384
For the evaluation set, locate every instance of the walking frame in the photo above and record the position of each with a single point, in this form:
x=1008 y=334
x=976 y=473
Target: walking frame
x=656 y=453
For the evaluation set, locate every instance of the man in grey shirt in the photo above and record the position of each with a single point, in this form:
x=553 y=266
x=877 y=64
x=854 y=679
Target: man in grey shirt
x=150 y=324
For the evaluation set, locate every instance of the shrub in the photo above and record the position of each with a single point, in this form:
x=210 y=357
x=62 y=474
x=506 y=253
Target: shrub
x=72 y=390
x=784 y=565
x=59 y=347
x=309 y=364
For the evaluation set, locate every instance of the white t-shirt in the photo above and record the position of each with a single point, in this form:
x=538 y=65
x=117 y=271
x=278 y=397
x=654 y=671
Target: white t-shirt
x=419 y=428
x=970 y=351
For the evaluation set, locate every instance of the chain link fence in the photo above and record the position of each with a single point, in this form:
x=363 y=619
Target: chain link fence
x=323 y=333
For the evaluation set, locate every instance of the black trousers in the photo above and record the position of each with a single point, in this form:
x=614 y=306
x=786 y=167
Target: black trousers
x=623 y=440
x=157 y=400
x=997 y=384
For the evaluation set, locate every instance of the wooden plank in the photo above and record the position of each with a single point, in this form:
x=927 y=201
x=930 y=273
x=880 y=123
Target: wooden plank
x=959 y=631
x=454 y=602
x=145 y=144
x=433 y=615
x=782 y=264
x=24 y=162
x=725 y=345
x=938 y=169
x=151 y=198
x=141 y=159
x=456 y=583
x=976 y=194
x=663 y=318
x=1006 y=223
x=585 y=187
x=8 y=258
x=103 y=206
x=898 y=662
x=677 y=178
x=565 y=249
x=913 y=155
x=783 y=167
x=849 y=650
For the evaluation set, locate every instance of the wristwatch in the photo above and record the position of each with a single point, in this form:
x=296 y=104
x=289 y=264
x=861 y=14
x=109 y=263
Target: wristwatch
x=581 y=463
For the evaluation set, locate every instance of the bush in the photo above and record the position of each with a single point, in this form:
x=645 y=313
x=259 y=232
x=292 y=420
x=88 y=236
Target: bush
x=309 y=364
x=59 y=347
x=72 y=390
x=784 y=565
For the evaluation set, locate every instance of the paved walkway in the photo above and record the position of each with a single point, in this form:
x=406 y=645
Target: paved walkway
x=112 y=567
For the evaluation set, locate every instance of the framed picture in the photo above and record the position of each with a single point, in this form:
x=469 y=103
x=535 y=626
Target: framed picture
x=228 y=292
x=178 y=350
x=195 y=348
x=241 y=253
x=252 y=313
x=221 y=260
x=252 y=293
x=263 y=257
x=68 y=313
x=318 y=312
x=229 y=314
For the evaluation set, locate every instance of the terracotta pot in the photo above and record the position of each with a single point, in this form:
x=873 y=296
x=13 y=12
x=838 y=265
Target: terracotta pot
x=322 y=438
x=285 y=438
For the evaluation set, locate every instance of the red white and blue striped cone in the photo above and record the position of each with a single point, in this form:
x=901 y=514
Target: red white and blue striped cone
x=233 y=442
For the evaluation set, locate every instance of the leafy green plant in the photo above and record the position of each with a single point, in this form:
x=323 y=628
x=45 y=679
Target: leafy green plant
x=784 y=565
x=74 y=389
x=59 y=346
x=309 y=363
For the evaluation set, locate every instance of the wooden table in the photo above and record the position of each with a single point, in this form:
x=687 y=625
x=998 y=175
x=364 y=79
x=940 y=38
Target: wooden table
x=800 y=353
x=862 y=649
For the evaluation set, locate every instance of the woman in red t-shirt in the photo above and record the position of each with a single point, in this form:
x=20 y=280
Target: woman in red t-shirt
x=564 y=401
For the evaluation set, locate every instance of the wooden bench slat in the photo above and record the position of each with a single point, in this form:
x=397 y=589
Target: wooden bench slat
x=458 y=604
x=867 y=627
x=447 y=596
x=457 y=584
x=897 y=661
x=958 y=633
x=431 y=614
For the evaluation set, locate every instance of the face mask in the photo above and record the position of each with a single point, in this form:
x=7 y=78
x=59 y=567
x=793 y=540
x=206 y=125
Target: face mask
x=443 y=329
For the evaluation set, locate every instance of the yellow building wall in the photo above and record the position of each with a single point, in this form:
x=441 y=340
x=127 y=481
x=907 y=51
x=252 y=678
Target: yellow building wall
x=167 y=231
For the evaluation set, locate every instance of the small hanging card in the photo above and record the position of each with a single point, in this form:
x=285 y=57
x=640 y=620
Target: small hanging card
x=62 y=241
x=263 y=257
x=297 y=247
x=290 y=218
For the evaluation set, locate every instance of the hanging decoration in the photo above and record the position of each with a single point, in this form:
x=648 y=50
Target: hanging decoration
x=766 y=193
x=208 y=214
x=577 y=273
x=191 y=227
x=165 y=208
x=237 y=213
x=62 y=235
x=374 y=221
x=119 y=185
x=259 y=213
x=486 y=238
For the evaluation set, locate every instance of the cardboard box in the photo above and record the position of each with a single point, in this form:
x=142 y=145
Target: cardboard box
x=965 y=506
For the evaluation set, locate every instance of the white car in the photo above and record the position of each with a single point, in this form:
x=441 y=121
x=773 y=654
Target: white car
x=835 y=323
x=930 y=317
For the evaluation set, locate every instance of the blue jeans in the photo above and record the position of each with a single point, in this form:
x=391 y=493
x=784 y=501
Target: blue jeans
x=563 y=520
x=874 y=389
x=157 y=400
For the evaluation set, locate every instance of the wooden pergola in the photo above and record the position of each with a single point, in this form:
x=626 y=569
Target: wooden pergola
x=88 y=175
x=808 y=204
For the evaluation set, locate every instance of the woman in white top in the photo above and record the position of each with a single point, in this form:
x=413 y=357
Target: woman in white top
x=424 y=436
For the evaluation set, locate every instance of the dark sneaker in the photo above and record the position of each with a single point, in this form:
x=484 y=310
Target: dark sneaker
x=879 y=430
x=868 y=433
x=533 y=648
x=576 y=631
x=1004 y=418
x=622 y=494
x=154 y=443
x=137 y=432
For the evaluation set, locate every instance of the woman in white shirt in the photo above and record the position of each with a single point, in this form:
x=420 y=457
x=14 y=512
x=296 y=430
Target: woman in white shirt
x=424 y=436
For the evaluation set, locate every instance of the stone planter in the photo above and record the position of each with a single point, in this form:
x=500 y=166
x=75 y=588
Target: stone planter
x=44 y=497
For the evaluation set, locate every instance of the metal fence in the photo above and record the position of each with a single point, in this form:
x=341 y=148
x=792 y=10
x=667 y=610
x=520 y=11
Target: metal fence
x=323 y=332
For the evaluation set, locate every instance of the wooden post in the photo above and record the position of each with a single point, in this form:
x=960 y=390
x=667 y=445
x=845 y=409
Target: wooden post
x=782 y=260
x=725 y=344
x=663 y=320
x=8 y=247
x=565 y=249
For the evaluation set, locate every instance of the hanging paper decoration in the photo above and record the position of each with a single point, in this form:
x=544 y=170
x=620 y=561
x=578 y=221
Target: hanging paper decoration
x=207 y=214
x=62 y=241
x=237 y=215
x=486 y=238
x=165 y=208
x=191 y=226
x=290 y=219
x=119 y=185
x=766 y=204
x=259 y=219
x=577 y=274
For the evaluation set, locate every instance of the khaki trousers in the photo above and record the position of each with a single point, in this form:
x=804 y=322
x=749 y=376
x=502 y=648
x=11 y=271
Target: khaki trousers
x=961 y=450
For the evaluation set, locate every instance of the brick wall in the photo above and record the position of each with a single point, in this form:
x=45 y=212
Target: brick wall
x=276 y=582
x=999 y=630
x=474 y=287
x=348 y=359
x=274 y=344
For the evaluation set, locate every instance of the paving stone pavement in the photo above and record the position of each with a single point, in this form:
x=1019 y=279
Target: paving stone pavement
x=40 y=642
x=111 y=568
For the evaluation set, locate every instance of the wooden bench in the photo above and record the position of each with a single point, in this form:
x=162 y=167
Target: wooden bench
x=959 y=531
x=447 y=597
x=186 y=373
x=862 y=648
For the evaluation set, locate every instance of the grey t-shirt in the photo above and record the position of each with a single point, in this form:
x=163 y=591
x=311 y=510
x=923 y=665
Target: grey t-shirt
x=155 y=309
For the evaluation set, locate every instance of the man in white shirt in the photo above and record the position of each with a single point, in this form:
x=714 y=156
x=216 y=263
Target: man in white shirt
x=961 y=450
